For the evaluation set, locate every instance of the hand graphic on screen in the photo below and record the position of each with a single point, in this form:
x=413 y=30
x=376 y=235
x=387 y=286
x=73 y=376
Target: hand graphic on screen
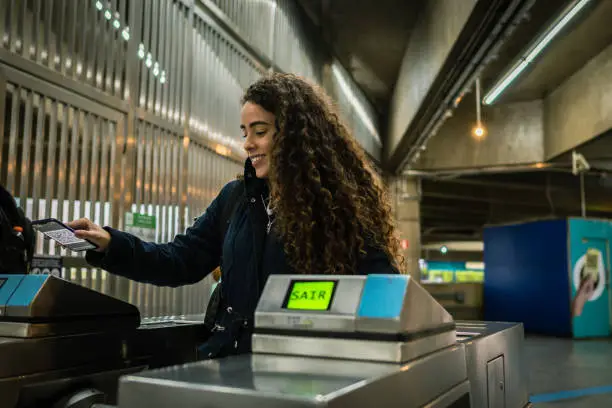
x=587 y=287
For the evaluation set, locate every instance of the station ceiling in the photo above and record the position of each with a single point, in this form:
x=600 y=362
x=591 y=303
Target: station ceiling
x=458 y=207
x=369 y=38
x=588 y=34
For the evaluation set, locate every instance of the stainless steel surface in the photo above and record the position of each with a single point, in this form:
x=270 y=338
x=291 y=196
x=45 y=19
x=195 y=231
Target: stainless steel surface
x=457 y=393
x=276 y=381
x=42 y=389
x=110 y=109
x=90 y=325
x=311 y=321
x=420 y=312
x=58 y=299
x=193 y=319
x=486 y=362
x=233 y=33
x=54 y=78
x=496 y=382
x=33 y=370
x=365 y=350
x=340 y=316
x=486 y=341
x=29 y=356
x=27 y=141
x=23 y=330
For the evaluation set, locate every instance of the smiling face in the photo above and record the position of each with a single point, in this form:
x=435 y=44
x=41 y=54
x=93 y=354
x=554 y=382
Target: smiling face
x=258 y=128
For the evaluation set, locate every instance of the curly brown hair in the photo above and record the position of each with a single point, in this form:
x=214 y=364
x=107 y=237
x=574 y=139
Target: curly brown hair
x=329 y=202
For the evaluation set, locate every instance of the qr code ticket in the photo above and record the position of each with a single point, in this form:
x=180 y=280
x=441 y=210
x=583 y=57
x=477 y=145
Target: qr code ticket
x=64 y=237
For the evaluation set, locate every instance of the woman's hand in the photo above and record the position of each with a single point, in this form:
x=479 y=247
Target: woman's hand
x=86 y=229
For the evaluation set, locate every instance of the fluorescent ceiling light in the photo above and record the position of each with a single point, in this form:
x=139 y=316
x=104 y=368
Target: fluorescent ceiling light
x=534 y=51
x=354 y=101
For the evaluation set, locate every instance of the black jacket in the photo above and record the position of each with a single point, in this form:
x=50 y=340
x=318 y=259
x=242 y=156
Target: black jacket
x=247 y=257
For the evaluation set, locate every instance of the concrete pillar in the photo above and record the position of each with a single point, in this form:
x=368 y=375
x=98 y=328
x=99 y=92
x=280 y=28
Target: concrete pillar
x=405 y=195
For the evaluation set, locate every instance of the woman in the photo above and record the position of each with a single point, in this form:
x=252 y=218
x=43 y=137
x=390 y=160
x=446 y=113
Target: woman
x=308 y=203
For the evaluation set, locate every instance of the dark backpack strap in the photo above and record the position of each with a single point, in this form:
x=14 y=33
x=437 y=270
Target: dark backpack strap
x=16 y=236
x=229 y=207
x=210 y=317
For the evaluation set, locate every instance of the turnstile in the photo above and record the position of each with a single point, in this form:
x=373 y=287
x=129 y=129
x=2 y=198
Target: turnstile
x=349 y=341
x=495 y=363
x=60 y=341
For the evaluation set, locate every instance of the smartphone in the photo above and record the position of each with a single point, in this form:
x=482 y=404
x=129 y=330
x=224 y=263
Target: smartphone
x=63 y=234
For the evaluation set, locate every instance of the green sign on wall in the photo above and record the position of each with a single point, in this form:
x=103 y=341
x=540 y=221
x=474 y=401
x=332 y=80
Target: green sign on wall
x=141 y=225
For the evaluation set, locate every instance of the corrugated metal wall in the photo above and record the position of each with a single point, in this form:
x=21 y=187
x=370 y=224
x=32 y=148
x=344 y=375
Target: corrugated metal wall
x=356 y=110
x=132 y=106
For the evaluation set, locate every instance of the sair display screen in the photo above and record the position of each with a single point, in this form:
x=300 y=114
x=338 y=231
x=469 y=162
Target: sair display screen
x=310 y=295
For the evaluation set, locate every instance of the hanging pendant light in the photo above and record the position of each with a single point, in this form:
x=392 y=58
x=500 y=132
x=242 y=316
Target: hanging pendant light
x=479 y=131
